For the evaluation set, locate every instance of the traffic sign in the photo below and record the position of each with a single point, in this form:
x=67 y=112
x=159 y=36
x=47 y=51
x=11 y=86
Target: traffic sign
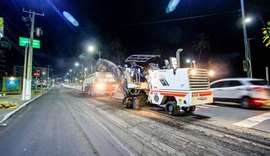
x=23 y=41
x=37 y=74
x=1 y=27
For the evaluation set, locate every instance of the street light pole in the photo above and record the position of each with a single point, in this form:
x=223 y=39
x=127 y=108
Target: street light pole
x=48 y=76
x=70 y=70
x=24 y=72
x=247 y=58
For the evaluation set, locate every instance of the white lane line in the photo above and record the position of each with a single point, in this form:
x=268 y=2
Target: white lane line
x=206 y=106
x=203 y=107
x=250 y=122
x=212 y=106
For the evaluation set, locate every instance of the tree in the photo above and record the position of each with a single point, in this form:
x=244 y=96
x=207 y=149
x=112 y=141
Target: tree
x=157 y=52
x=201 y=44
x=258 y=6
x=266 y=33
x=4 y=45
x=117 y=49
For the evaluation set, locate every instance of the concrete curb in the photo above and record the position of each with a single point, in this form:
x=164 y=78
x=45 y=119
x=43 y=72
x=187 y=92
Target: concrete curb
x=23 y=105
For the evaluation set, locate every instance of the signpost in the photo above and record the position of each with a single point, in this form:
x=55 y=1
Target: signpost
x=37 y=74
x=23 y=42
x=11 y=84
x=1 y=27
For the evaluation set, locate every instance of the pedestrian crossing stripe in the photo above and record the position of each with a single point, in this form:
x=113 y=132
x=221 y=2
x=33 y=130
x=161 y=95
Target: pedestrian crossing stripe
x=253 y=121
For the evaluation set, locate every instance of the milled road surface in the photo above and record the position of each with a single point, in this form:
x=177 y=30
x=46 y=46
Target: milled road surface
x=63 y=122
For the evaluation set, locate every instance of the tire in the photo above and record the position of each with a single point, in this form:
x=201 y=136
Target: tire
x=88 y=92
x=92 y=92
x=190 y=109
x=172 y=109
x=127 y=102
x=246 y=103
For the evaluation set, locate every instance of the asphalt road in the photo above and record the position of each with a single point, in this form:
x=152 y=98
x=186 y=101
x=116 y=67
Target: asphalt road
x=58 y=124
x=229 y=114
x=64 y=122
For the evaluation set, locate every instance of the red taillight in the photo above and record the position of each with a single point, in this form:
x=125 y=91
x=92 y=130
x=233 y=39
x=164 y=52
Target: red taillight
x=259 y=101
x=259 y=89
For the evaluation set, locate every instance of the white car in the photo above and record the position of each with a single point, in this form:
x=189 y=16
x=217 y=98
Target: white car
x=249 y=92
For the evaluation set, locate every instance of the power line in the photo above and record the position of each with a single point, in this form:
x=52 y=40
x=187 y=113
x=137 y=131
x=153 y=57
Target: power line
x=179 y=19
x=19 y=49
x=10 y=21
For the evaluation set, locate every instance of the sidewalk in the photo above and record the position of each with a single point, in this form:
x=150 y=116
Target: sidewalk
x=14 y=103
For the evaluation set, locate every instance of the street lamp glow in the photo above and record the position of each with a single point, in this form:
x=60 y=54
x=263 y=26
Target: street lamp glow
x=76 y=64
x=85 y=69
x=248 y=20
x=91 y=48
x=188 y=60
x=70 y=70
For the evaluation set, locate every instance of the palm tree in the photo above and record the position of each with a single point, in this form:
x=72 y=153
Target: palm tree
x=266 y=33
x=201 y=44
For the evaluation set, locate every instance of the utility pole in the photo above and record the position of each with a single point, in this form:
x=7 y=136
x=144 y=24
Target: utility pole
x=28 y=84
x=48 y=76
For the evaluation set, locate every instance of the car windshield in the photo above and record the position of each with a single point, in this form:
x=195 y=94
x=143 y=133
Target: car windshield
x=258 y=82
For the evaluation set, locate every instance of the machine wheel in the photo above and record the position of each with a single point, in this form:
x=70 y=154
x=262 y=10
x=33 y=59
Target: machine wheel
x=172 y=109
x=135 y=104
x=190 y=109
x=127 y=102
x=92 y=92
x=246 y=102
x=88 y=92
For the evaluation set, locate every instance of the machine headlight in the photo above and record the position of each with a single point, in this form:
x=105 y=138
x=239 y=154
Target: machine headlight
x=211 y=73
x=193 y=72
x=100 y=86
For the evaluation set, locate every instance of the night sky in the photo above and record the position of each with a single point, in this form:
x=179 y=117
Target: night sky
x=140 y=27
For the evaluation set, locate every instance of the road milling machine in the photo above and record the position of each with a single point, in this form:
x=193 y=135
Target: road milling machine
x=177 y=89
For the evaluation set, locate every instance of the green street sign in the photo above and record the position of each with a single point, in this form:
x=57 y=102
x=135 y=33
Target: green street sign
x=23 y=41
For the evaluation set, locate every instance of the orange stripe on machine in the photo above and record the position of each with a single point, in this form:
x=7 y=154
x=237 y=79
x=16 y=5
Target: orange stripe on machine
x=202 y=93
x=167 y=93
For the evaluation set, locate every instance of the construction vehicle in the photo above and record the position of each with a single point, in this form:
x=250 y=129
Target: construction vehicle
x=179 y=90
x=98 y=83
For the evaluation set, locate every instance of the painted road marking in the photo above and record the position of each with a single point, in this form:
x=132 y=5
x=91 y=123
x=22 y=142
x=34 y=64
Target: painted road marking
x=201 y=107
x=253 y=121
